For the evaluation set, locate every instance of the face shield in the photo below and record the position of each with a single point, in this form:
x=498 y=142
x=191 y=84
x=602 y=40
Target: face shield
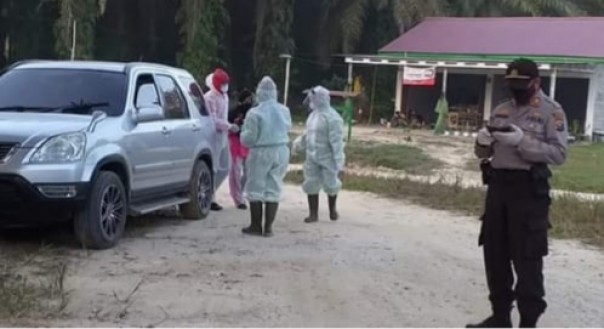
x=306 y=101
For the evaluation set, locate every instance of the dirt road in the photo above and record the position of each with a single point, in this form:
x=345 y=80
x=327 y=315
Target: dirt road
x=386 y=263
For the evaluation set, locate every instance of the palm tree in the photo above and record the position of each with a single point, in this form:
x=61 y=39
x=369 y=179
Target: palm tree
x=342 y=21
x=411 y=12
x=85 y=13
x=200 y=23
x=273 y=37
x=488 y=8
x=592 y=7
x=25 y=30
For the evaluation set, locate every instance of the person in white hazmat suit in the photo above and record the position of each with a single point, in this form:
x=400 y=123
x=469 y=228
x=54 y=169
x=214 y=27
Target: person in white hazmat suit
x=323 y=142
x=217 y=103
x=265 y=132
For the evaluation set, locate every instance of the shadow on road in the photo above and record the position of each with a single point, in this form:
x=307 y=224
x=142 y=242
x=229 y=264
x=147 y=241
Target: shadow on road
x=62 y=236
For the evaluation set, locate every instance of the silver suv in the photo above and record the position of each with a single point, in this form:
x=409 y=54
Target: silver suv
x=96 y=142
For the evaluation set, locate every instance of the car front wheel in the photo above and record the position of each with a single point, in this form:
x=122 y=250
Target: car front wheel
x=101 y=223
x=201 y=192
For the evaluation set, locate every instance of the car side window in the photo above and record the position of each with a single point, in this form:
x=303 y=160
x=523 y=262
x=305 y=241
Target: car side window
x=175 y=105
x=196 y=94
x=146 y=92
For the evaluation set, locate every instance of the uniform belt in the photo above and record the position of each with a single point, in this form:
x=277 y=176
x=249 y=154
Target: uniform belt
x=511 y=174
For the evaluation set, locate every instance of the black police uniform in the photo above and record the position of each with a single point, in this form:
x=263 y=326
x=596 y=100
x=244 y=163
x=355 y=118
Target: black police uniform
x=516 y=219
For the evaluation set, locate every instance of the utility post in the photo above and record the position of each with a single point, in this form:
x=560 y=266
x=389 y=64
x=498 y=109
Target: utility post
x=74 y=37
x=288 y=59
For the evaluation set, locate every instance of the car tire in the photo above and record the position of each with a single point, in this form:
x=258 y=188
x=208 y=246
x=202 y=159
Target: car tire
x=201 y=191
x=102 y=221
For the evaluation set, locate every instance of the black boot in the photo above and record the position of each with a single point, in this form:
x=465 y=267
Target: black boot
x=528 y=321
x=255 y=227
x=313 y=206
x=333 y=212
x=494 y=321
x=271 y=213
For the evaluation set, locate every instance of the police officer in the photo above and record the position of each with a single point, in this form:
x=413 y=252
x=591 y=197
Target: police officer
x=524 y=136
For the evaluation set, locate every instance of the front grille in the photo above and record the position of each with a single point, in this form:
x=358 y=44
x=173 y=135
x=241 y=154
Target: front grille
x=10 y=192
x=5 y=149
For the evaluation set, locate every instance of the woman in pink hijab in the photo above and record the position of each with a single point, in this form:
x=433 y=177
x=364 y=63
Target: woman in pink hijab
x=239 y=152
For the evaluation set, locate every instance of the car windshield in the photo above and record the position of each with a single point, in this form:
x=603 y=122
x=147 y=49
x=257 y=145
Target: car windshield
x=63 y=91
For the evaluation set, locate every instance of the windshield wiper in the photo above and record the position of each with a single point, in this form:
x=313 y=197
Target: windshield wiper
x=20 y=108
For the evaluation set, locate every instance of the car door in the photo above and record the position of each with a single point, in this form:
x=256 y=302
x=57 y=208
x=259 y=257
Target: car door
x=184 y=131
x=146 y=145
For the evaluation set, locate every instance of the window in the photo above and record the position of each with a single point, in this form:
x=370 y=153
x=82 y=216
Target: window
x=146 y=93
x=37 y=89
x=174 y=103
x=196 y=94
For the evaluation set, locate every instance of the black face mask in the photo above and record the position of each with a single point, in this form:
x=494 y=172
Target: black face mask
x=522 y=96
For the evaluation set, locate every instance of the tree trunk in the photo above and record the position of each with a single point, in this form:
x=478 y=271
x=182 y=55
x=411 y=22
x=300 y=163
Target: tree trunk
x=3 y=33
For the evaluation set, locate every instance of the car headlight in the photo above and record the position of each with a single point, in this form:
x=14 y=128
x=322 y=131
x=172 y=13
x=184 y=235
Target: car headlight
x=61 y=149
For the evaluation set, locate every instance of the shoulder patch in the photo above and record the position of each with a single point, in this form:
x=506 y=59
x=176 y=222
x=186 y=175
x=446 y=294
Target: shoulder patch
x=559 y=119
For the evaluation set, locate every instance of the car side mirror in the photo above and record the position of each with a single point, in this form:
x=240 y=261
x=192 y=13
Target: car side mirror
x=149 y=113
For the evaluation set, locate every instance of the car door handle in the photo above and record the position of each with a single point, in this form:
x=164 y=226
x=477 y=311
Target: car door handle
x=165 y=131
x=196 y=128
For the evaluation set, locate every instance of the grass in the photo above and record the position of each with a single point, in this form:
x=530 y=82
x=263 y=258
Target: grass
x=473 y=165
x=582 y=171
x=576 y=219
x=438 y=196
x=32 y=285
x=571 y=218
x=410 y=159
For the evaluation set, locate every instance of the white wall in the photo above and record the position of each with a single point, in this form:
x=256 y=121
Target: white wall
x=594 y=121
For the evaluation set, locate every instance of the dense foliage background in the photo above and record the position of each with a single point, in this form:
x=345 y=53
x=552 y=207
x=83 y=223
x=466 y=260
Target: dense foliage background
x=244 y=36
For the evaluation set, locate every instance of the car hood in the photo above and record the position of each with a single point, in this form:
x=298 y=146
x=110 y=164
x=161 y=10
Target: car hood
x=27 y=129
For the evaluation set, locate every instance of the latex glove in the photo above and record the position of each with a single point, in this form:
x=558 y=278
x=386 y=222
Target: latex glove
x=510 y=139
x=234 y=128
x=484 y=137
x=341 y=174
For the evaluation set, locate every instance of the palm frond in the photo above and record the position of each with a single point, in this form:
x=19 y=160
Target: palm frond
x=352 y=24
x=412 y=11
